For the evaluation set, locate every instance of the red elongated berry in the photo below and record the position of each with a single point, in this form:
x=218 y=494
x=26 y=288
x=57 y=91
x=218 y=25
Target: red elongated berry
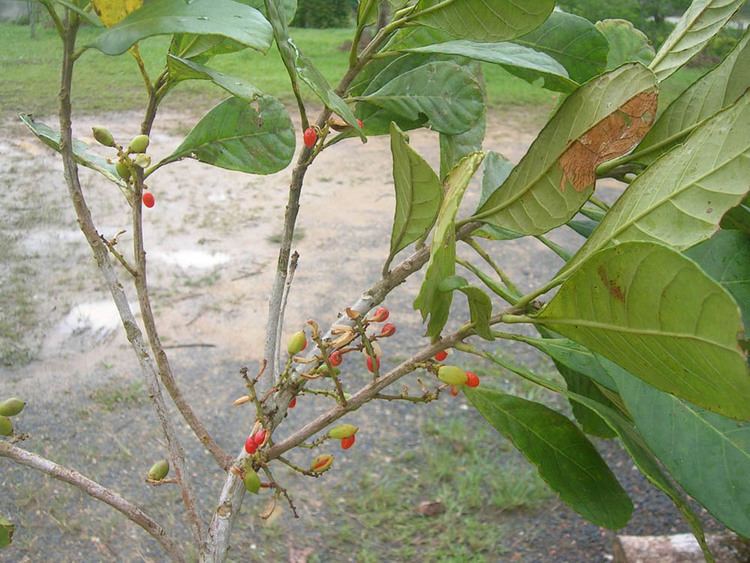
x=347 y=443
x=259 y=437
x=293 y=403
x=380 y=315
x=454 y=391
x=440 y=356
x=389 y=329
x=472 y=379
x=250 y=446
x=371 y=365
x=310 y=137
x=359 y=122
x=148 y=199
x=335 y=358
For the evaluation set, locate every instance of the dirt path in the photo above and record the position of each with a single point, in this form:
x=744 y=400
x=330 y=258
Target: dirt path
x=210 y=242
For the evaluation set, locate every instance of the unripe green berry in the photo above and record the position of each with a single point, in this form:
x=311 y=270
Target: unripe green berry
x=139 y=144
x=6 y=426
x=452 y=375
x=251 y=481
x=103 y=136
x=159 y=470
x=11 y=407
x=123 y=170
x=342 y=431
x=297 y=342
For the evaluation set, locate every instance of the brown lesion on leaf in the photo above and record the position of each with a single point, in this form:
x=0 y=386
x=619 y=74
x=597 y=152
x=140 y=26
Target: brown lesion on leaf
x=614 y=289
x=613 y=136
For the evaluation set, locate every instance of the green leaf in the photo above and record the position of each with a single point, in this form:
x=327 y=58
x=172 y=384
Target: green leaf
x=483 y=20
x=6 y=532
x=601 y=120
x=442 y=264
x=714 y=91
x=81 y=152
x=573 y=42
x=659 y=316
x=497 y=168
x=185 y=69
x=447 y=94
x=480 y=305
x=702 y=20
x=524 y=61
x=418 y=193
x=204 y=17
x=454 y=147
x=590 y=421
x=287 y=8
x=565 y=458
x=367 y=12
x=681 y=198
x=726 y=258
x=708 y=454
x=738 y=218
x=254 y=137
x=626 y=43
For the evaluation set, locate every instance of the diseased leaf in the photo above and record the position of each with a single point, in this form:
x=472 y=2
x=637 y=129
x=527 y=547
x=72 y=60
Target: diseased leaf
x=702 y=20
x=253 y=137
x=418 y=193
x=204 y=17
x=680 y=199
x=112 y=11
x=483 y=20
x=659 y=316
x=185 y=69
x=565 y=458
x=442 y=264
x=603 y=119
x=626 y=43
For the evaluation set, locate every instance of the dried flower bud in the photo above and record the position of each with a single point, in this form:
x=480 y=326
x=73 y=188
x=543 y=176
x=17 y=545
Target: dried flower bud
x=159 y=470
x=342 y=431
x=242 y=400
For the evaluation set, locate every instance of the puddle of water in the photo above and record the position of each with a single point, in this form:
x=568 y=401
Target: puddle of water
x=99 y=317
x=191 y=258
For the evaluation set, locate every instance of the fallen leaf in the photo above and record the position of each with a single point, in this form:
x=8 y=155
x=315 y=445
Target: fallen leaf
x=431 y=508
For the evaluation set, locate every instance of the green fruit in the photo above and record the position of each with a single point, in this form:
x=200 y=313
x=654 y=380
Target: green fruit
x=251 y=481
x=139 y=144
x=103 y=136
x=6 y=532
x=297 y=342
x=159 y=470
x=11 y=407
x=6 y=426
x=452 y=375
x=123 y=170
x=342 y=431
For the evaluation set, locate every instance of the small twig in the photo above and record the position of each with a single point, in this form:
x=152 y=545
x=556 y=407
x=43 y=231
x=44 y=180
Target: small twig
x=281 y=490
x=297 y=468
x=282 y=310
x=498 y=270
x=426 y=398
x=120 y=258
x=191 y=345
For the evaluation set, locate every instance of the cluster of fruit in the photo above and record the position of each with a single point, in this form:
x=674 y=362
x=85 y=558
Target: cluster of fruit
x=134 y=156
x=8 y=408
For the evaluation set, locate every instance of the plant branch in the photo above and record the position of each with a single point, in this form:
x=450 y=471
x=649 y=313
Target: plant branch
x=97 y=491
x=282 y=309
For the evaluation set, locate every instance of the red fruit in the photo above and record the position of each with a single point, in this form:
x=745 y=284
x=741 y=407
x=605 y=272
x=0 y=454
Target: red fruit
x=310 y=137
x=359 y=122
x=370 y=364
x=389 y=329
x=335 y=358
x=259 y=437
x=454 y=391
x=472 y=379
x=250 y=446
x=440 y=356
x=293 y=403
x=347 y=443
x=148 y=199
x=381 y=314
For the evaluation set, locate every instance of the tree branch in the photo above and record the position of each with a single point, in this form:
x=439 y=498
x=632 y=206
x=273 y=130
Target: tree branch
x=97 y=491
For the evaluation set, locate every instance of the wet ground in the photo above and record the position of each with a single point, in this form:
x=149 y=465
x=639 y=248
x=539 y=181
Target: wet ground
x=211 y=248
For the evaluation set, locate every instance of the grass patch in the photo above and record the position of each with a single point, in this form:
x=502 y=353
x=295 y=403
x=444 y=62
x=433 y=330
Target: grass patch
x=116 y=395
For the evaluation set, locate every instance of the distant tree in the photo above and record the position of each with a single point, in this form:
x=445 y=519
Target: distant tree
x=637 y=11
x=322 y=13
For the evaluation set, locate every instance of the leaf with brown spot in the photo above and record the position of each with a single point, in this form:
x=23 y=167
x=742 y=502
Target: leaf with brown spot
x=613 y=136
x=602 y=119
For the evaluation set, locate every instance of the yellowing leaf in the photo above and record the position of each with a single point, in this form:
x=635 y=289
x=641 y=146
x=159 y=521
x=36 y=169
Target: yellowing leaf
x=112 y=11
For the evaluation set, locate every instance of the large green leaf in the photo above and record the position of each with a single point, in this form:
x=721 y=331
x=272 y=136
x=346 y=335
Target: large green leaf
x=716 y=90
x=254 y=137
x=185 y=69
x=447 y=94
x=480 y=305
x=454 y=147
x=442 y=264
x=726 y=258
x=590 y=421
x=573 y=42
x=81 y=152
x=708 y=454
x=531 y=65
x=226 y=18
x=702 y=20
x=565 y=458
x=418 y=193
x=626 y=43
x=738 y=218
x=681 y=198
x=658 y=315
x=601 y=120
x=483 y=20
